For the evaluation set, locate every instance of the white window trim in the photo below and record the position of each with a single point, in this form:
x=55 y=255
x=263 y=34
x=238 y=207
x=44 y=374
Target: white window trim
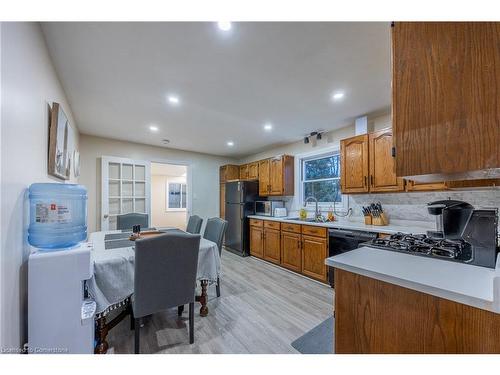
x=167 y=208
x=316 y=154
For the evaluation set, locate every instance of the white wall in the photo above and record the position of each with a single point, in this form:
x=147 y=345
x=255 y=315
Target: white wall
x=160 y=217
x=28 y=83
x=204 y=172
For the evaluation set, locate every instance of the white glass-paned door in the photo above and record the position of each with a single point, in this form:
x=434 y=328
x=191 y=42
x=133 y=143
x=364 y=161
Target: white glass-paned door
x=125 y=188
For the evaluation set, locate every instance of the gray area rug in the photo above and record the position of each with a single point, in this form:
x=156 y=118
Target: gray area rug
x=318 y=340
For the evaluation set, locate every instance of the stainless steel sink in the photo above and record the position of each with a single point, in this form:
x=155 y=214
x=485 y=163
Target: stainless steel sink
x=309 y=220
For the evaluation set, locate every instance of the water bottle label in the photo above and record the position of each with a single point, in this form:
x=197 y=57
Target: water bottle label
x=52 y=213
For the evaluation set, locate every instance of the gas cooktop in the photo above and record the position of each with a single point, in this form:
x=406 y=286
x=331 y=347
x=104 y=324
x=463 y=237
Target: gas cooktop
x=422 y=245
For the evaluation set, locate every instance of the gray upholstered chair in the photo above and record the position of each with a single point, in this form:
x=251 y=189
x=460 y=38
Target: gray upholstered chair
x=194 y=224
x=165 y=277
x=127 y=221
x=215 y=231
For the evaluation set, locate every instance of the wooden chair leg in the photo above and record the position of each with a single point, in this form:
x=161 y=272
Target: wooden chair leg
x=180 y=310
x=137 y=337
x=217 y=287
x=191 y=323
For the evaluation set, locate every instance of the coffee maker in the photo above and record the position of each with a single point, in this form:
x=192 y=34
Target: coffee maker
x=476 y=228
x=451 y=217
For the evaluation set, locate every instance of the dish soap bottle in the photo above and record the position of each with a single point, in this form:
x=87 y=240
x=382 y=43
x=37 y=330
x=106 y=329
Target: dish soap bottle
x=331 y=217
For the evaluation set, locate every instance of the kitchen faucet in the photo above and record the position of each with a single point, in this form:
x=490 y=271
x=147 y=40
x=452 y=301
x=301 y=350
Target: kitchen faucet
x=316 y=211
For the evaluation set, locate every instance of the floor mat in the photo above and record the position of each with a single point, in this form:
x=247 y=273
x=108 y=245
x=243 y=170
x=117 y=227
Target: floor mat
x=318 y=340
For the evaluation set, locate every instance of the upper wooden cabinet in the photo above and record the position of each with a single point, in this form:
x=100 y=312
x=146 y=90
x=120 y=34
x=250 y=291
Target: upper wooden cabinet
x=276 y=176
x=253 y=171
x=249 y=171
x=264 y=177
x=367 y=165
x=446 y=99
x=229 y=172
x=382 y=170
x=354 y=165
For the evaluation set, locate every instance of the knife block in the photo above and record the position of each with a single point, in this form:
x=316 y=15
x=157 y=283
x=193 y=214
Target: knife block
x=380 y=220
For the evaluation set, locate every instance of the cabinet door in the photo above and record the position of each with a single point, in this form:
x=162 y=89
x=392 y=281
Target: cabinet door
x=244 y=172
x=425 y=186
x=253 y=171
x=222 y=201
x=445 y=97
x=291 y=254
x=314 y=253
x=264 y=177
x=382 y=167
x=276 y=176
x=256 y=242
x=354 y=164
x=272 y=245
x=222 y=173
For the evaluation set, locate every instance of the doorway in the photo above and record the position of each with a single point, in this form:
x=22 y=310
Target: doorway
x=169 y=195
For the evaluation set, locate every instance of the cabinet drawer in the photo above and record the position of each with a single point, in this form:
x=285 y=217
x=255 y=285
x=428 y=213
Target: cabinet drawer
x=271 y=224
x=314 y=231
x=255 y=223
x=287 y=227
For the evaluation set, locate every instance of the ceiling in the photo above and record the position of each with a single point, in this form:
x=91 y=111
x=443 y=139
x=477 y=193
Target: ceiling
x=117 y=77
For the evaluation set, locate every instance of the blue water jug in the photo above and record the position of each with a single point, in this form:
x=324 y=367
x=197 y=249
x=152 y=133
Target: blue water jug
x=58 y=215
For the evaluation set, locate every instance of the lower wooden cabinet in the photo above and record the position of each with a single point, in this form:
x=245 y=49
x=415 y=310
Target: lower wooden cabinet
x=291 y=251
x=299 y=248
x=314 y=253
x=257 y=241
x=272 y=245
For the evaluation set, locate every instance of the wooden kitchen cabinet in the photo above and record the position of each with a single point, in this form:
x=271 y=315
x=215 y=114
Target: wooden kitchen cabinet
x=382 y=164
x=276 y=176
x=222 y=201
x=291 y=250
x=264 y=177
x=354 y=167
x=425 y=186
x=253 y=171
x=446 y=99
x=229 y=172
x=272 y=245
x=244 y=172
x=314 y=253
x=257 y=241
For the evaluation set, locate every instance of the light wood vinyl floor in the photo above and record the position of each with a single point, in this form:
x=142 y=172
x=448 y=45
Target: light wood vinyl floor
x=262 y=309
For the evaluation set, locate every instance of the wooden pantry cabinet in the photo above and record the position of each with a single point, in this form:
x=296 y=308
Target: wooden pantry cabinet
x=300 y=248
x=367 y=164
x=446 y=99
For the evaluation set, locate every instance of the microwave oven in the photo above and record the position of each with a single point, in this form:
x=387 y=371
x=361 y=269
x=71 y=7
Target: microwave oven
x=266 y=208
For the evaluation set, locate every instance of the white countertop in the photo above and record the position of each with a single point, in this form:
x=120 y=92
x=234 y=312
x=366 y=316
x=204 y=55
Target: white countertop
x=400 y=226
x=470 y=285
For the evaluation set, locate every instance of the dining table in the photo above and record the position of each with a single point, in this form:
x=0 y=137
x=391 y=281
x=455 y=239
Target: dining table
x=112 y=283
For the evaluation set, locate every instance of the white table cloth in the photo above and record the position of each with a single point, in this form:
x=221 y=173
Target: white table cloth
x=113 y=280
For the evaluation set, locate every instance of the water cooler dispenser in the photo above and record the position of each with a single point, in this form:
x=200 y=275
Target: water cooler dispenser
x=60 y=316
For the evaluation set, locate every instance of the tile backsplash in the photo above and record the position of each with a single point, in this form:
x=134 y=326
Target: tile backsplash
x=412 y=206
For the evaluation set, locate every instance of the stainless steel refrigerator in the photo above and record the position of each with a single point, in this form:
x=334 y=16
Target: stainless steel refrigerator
x=240 y=198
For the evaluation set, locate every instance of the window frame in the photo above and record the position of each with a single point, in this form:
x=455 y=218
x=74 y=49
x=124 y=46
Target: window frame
x=341 y=206
x=167 y=200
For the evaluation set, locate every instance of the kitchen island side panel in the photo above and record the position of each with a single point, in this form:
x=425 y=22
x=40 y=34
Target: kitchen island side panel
x=373 y=316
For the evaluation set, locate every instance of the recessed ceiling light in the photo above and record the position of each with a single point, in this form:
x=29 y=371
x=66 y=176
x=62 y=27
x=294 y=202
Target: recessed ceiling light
x=153 y=128
x=337 y=95
x=173 y=99
x=268 y=127
x=230 y=143
x=224 y=25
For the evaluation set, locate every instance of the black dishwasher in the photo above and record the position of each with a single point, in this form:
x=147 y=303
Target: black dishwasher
x=343 y=240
